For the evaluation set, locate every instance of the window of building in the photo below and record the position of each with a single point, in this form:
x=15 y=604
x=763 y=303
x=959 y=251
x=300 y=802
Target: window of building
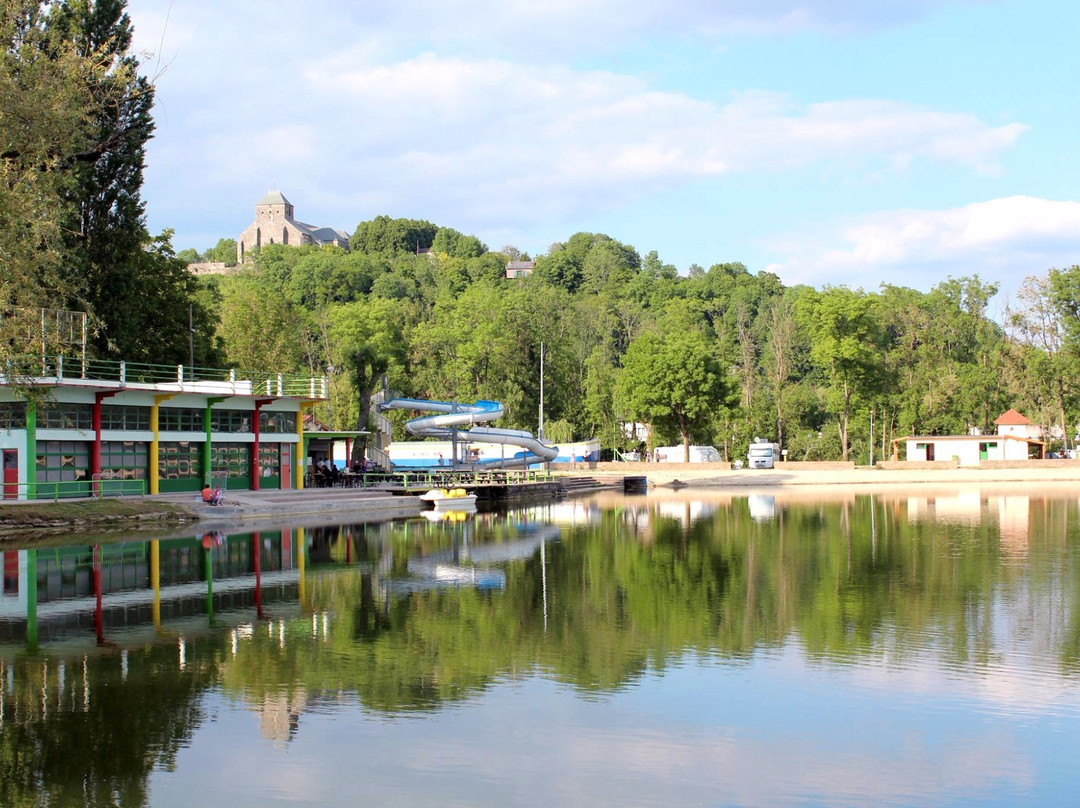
x=277 y=423
x=180 y=419
x=13 y=415
x=64 y=415
x=118 y=416
x=123 y=460
x=63 y=468
x=179 y=460
x=269 y=460
x=230 y=459
x=230 y=421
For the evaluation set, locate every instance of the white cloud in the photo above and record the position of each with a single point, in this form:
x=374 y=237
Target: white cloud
x=504 y=27
x=1002 y=240
x=492 y=143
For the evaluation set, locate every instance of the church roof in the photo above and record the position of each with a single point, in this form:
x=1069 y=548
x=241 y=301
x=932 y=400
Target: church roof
x=1011 y=418
x=274 y=198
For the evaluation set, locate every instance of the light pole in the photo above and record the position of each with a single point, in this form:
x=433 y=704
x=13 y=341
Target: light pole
x=330 y=396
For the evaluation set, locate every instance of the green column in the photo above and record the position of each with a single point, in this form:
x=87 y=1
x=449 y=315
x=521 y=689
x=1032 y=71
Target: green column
x=206 y=445
x=208 y=568
x=31 y=450
x=31 y=599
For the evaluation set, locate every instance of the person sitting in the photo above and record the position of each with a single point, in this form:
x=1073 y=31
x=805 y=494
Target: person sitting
x=208 y=495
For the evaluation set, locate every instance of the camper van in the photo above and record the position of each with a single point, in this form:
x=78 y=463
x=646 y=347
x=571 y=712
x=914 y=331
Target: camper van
x=762 y=454
x=677 y=454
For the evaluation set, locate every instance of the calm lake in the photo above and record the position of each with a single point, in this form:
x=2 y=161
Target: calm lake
x=805 y=648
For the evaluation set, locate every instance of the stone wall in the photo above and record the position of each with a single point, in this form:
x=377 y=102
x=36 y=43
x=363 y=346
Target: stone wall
x=210 y=268
x=916 y=465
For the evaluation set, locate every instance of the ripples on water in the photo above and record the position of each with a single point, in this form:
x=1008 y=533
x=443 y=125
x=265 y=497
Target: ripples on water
x=870 y=650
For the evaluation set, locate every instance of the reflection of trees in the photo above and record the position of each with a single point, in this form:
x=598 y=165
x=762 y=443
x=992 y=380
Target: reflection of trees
x=90 y=736
x=841 y=580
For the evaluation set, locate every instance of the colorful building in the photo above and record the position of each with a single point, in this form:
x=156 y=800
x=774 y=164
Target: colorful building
x=77 y=427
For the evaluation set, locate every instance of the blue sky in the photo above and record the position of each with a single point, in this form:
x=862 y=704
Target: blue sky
x=831 y=142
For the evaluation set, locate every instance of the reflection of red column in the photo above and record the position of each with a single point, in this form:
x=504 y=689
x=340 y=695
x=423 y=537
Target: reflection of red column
x=99 y=622
x=286 y=550
x=256 y=561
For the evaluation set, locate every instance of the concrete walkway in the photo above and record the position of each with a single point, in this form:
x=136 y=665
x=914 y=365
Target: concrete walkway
x=311 y=505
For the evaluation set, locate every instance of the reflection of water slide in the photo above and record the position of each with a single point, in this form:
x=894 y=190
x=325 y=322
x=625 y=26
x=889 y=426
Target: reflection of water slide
x=467 y=564
x=469 y=421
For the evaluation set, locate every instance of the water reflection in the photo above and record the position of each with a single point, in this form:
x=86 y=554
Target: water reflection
x=951 y=606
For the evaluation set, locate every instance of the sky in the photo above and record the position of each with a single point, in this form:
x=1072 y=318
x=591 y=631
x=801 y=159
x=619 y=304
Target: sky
x=828 y=141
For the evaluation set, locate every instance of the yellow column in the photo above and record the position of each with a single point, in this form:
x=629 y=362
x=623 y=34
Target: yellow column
x=155 y=580
x=301 y=563
x=155 y=476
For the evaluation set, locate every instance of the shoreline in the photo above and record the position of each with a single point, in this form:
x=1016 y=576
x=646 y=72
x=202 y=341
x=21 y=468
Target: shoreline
x=663 y=475
x=177 y=514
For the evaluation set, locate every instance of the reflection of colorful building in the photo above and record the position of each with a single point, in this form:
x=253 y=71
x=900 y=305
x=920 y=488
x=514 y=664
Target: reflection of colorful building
x=131 y=587
x=112 y=428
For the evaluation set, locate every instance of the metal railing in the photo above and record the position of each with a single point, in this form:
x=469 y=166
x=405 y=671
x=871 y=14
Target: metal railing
x=30 y=370
x=74 y=489
x=424 y=480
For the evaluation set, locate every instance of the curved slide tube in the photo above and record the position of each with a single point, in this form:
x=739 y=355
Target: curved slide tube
x=456 y=416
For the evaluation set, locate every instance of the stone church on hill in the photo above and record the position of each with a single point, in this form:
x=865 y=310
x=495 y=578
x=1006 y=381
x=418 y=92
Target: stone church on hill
x=275 y=223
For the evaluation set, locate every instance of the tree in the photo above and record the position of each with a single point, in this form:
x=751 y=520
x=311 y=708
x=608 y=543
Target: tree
x=670 y=378
x=38 y=144
x=368 y=339
x=259 y=326
x=844 y=345
x=392 y=236
x=106 y=230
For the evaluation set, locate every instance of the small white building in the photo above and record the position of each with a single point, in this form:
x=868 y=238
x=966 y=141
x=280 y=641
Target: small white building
x=1014 y=441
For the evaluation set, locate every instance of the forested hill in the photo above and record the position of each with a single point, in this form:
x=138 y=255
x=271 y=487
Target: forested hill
x=708 y=356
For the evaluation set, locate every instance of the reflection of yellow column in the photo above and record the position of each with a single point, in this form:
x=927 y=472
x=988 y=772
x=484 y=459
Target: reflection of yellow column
x=301 y=563
x=155 y=581
x=155 y=477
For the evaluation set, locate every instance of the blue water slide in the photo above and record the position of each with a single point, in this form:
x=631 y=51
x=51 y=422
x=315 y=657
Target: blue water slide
x=470 y=422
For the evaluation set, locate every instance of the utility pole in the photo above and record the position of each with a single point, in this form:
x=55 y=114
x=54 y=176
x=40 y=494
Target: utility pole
x=871 y=436
x=540 y=431
x=191 y=338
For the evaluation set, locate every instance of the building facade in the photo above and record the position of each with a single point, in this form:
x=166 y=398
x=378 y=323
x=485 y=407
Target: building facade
x=97 y=429
x=276 y=223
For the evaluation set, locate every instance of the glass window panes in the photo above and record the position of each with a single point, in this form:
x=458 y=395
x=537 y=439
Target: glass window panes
x=269 y=460
x=277 y=423
x=180 y=419
x=231 y=459
x=12 y=415
x=230 y=421
x=179 y=460
x=64 y=463
x=65 y=415
x=120 y=416
x=123 y=460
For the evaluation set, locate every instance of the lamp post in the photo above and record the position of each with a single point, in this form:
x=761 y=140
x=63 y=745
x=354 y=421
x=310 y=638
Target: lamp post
x=330 y=396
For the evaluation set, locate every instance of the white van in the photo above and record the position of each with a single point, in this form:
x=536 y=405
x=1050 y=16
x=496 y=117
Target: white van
x=762 y=455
